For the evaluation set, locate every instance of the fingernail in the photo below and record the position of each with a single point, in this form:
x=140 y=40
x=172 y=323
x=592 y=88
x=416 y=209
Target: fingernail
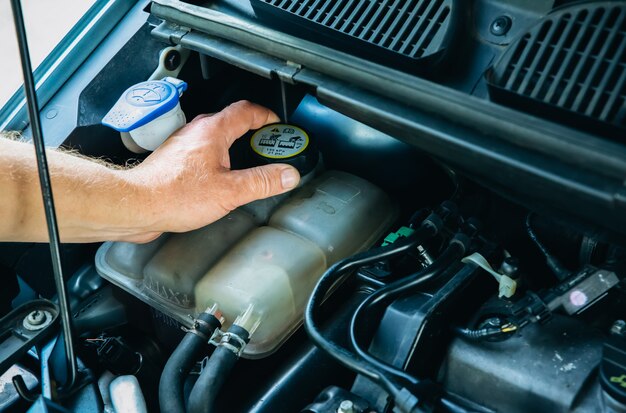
x=273 y=118
x=290 y=178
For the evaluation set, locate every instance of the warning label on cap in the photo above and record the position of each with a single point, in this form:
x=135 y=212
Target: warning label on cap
x=279 y=141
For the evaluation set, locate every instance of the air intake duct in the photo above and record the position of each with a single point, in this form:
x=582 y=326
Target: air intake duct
x=411 y=35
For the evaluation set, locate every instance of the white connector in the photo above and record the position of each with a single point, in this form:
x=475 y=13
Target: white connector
x=506 y=285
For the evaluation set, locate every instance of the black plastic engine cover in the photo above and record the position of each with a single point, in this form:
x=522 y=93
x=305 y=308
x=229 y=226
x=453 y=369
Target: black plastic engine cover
x=543 y=368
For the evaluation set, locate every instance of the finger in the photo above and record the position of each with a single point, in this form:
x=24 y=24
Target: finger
x=197 y=126
x=262 y=182
x=240 y=117
x=232 y=122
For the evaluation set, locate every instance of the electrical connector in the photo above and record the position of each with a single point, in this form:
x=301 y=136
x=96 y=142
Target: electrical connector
x=405 y=402
x=403 y=232
x=487 y=332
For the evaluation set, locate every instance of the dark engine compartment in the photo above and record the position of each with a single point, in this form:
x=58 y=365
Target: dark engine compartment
x=502 y=122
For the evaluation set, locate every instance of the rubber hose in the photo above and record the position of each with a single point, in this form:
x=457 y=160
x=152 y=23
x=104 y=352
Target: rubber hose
x=387 y=294
x=214 y=374
x=189 y=350
x=337 y=272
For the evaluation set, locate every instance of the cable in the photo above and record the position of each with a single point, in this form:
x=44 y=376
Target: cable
x=46 y=192
x=486 y=332
x=552 y=262
x=455 y=250
x=330 y=279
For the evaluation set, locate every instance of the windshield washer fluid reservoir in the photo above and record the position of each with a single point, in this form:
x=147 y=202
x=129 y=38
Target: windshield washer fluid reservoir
x=272 y=272
x=148 y=113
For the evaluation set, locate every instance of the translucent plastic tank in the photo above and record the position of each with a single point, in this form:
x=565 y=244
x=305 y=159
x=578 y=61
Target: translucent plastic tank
x=262 y=209
x=130 y=259
x=184 y=258
x=268 y=272
x=275 y=269
x=339 y=212
x=272 y=270
x=164 y=272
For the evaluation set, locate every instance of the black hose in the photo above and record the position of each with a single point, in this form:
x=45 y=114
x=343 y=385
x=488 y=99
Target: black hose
x=215 y=372
x=616 y=260
x=455 y=250
x=211 y=380
x=189 y=350
x=335 y=273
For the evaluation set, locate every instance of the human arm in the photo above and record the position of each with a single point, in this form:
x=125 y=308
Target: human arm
x=183 y=185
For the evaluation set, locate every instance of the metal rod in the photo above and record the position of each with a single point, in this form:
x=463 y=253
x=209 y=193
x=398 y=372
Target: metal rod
x=283 y=96
x=46 y=190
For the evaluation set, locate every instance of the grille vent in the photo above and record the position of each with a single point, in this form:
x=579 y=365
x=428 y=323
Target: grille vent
x=571 y=65
x=404 y=31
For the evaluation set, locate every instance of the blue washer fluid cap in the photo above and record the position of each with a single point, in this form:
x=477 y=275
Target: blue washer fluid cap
x=144 y=102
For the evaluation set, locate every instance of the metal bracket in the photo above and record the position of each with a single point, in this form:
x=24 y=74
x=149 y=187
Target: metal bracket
x=287 y=72
x=170 y=32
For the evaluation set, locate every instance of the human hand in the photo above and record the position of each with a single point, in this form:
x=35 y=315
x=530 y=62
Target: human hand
x=187 y=182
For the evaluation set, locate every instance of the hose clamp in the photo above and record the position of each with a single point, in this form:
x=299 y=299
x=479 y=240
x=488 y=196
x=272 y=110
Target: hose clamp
x=196 y=332
x=228 y=340
x=199 y=322
x=234 y=349
x=194 y=329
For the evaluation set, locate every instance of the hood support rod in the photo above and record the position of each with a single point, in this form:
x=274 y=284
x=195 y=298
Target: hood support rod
x=46 y=191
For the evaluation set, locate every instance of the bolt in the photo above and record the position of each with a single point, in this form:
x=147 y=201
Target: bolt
x=36 y=318
x=500 y=26
x=172 y=60
x=346 y=406
x=619 y=328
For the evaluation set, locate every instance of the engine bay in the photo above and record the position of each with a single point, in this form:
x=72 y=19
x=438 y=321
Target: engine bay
x=456 y=243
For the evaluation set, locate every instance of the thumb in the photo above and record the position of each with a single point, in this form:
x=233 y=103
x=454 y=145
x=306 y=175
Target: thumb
x=263 y=182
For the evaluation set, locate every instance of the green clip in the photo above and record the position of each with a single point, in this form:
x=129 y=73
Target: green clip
x=621 y=380
x=403 y=232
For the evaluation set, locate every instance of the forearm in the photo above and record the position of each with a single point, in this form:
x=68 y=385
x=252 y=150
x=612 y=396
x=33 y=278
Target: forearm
x=183 y=185
x=93 y=202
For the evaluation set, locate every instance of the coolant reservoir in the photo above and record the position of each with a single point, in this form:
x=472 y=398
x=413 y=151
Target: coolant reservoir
x=267 y=272
x=130 y=259
x=165 y=271
x=271 y=270
x=338 y=212
x=274 y=269
x=184 y=258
